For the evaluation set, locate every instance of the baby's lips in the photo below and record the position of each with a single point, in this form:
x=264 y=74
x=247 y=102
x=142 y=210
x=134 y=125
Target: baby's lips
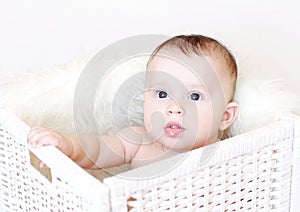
x=173 y=129
x=173 y=125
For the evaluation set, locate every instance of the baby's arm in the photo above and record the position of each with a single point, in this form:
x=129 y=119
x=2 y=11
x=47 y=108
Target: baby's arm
x=40 y=136
x=87 y=150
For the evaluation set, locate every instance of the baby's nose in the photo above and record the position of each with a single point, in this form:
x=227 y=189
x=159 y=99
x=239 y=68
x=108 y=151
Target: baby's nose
x=174 y=109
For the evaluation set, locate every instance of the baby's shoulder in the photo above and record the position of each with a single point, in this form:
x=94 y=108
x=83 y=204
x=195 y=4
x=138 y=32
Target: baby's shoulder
x=139 y=129
x=134 y=129
x=133 y=134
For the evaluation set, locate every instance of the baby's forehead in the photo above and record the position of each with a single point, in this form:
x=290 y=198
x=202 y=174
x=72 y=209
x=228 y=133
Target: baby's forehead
x=214 y=59
x=179 y=64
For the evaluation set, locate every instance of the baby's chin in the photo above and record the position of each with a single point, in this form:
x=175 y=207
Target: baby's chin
x=176 y=144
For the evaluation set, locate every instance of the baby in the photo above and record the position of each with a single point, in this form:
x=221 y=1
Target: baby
x=188 y=103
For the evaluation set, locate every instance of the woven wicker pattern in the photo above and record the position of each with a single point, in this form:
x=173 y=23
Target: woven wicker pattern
x=256 y=171
x=23 y=188
x=295 y=187
x=250 y=172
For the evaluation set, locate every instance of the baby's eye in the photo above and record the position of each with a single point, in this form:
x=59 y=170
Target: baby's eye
x=162 y=94
x=195 y=97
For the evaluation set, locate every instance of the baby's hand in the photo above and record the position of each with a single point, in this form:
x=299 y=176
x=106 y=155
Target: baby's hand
x=40 y=136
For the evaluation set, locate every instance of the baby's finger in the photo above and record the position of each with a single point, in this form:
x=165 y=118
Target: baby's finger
x=35 y=136
x=40 y=136
x=34 y=131
x=43 y=165
x=47 y=138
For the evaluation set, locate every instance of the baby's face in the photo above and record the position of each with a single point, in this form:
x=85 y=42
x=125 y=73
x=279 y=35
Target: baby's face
x=184 y=102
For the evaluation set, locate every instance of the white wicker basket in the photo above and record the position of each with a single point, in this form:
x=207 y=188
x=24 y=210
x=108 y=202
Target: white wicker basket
x=259 y=170
x=23 y=188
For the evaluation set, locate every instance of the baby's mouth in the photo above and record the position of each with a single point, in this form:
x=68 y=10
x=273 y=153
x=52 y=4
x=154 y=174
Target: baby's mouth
x=173 y=129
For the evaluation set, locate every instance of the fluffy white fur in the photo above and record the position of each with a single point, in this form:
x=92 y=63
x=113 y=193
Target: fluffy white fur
x=42 y=98
x=46 y=97
x=262 y=98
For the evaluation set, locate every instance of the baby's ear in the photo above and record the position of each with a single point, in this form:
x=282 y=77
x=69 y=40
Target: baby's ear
x=229 y=115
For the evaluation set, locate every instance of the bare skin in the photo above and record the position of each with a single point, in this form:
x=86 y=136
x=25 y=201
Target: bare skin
x=182 y=114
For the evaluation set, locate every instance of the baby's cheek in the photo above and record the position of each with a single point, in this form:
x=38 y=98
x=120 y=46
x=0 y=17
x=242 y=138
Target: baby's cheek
x=153 y=114
x=147 y=124
x=156 y=123
x=147 y=116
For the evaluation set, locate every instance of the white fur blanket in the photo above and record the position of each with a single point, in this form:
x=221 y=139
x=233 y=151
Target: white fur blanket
x=46 y=97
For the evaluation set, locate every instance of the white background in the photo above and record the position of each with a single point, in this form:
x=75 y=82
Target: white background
x=34 y=34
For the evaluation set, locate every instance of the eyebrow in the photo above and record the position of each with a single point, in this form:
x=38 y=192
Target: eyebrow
x=192 y=86
x=198 y=85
